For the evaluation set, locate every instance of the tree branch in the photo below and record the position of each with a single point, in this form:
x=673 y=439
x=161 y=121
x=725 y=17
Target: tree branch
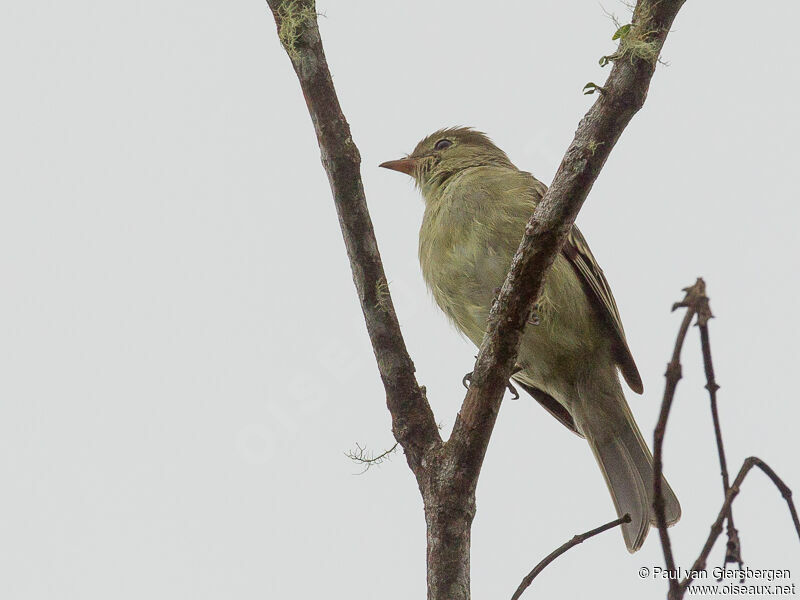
x=577 y=539
x=413 y=423
x=448 y=474
x=621 y=97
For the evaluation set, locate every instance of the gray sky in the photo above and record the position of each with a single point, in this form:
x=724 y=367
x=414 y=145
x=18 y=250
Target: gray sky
x=182 y=358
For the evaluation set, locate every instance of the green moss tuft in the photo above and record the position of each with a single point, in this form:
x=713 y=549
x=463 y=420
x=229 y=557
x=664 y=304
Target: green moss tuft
x=636 y=40
x=638 y=46
x=295 y=17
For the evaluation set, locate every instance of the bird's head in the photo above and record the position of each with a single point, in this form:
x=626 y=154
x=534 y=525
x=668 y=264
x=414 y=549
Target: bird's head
x=446 y=152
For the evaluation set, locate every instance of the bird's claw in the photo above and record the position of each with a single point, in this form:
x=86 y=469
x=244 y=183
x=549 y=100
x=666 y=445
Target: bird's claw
x=513 y=390
x=467 y=379
x=534 y=318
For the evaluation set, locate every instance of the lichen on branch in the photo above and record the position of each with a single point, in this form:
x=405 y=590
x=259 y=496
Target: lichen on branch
x=296 y=16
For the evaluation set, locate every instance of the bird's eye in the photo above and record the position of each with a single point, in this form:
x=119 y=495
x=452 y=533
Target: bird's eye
x=442 y=144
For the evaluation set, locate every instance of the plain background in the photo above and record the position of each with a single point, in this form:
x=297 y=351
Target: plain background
x=183 y=363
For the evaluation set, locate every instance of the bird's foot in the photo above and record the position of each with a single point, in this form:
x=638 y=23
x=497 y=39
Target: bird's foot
x=534 y=318
x=513 y=390
x=467 y=379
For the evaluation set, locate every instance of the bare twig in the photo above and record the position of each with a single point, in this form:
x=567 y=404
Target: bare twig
x=413 y=423
x=696 y=302
x=733 y=491
x=691 y=301
x=365 y=457
x=577 y=539
x=733 y=551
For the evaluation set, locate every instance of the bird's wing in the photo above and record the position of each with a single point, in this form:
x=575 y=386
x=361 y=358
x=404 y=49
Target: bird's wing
x=551 y=405
x=577 y=252
x=580 y=256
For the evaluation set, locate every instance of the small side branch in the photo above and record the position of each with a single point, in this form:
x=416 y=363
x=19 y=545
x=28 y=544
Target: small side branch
x=577 y=539
x=365 y=458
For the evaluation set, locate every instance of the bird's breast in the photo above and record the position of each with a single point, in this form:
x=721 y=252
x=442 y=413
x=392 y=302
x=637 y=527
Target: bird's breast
x=462 y=268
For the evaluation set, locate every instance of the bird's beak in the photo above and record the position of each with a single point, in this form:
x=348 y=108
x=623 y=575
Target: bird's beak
x=404 y=165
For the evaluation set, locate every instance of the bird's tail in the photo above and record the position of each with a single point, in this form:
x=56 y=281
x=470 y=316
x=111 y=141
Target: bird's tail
x=627 y=465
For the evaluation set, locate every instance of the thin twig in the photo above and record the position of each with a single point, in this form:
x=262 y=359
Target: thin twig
x=577 y=539
x=733 y=491
x=733 y=551
x=673 y=375
x=364 y=457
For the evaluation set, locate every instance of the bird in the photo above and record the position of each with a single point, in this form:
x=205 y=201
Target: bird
x=477 y=204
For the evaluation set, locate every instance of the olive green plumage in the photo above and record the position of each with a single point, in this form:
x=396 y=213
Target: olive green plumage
x=477 y=204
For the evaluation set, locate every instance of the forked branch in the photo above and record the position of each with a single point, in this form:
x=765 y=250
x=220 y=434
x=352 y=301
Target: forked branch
x=448 y=474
